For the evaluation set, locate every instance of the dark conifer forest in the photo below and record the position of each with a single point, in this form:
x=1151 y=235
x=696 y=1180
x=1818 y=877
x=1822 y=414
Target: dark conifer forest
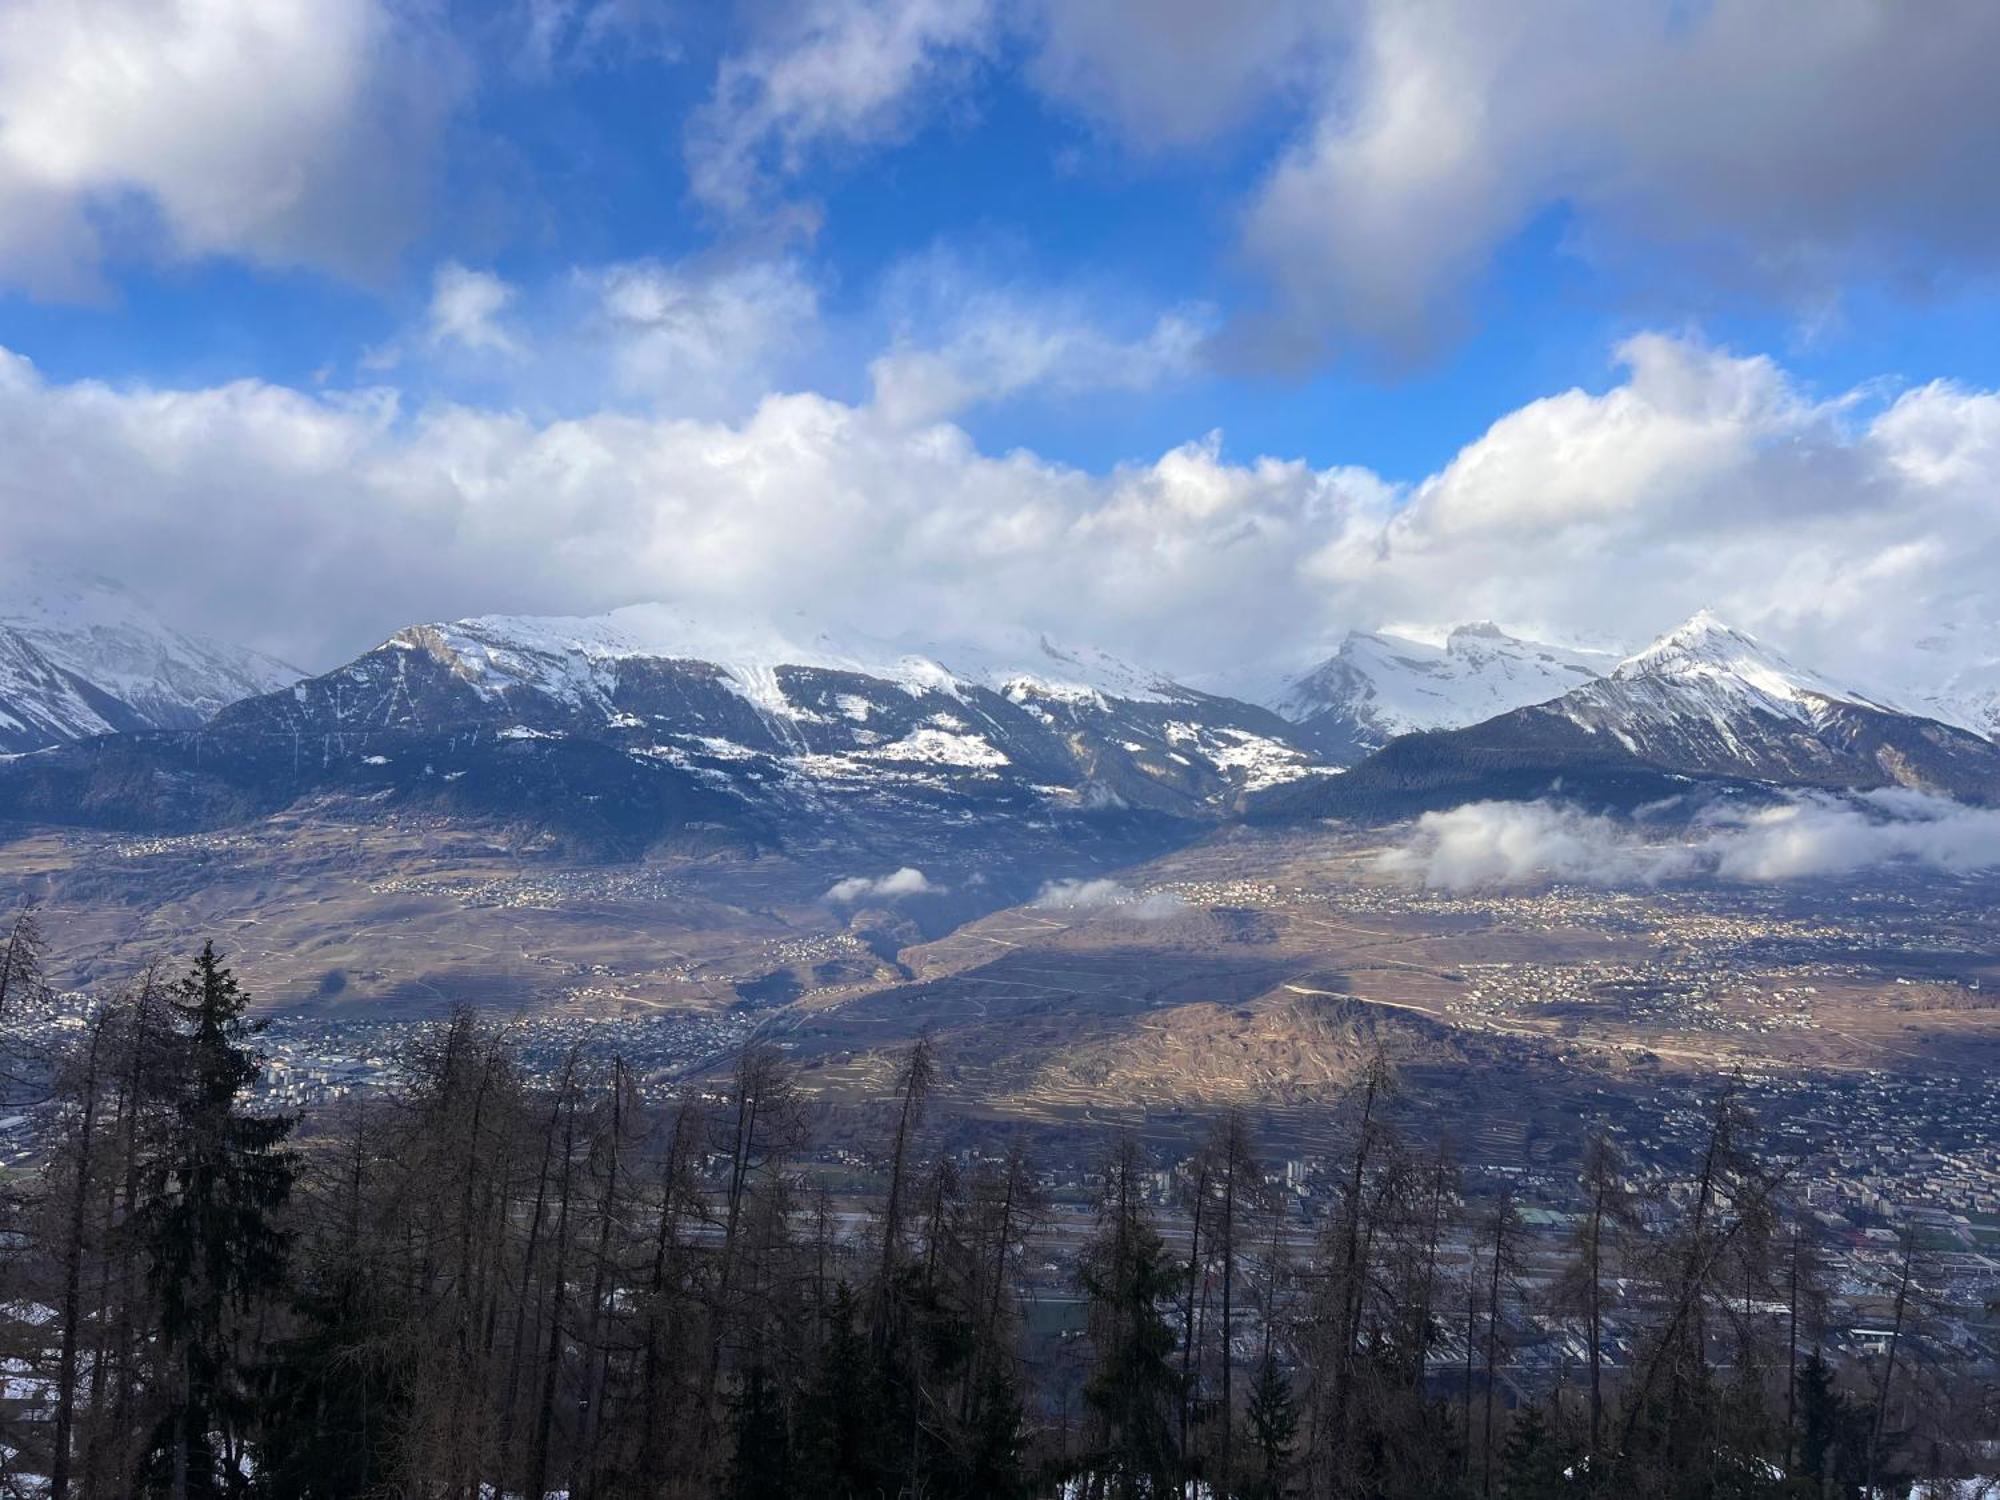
x=480 y=1284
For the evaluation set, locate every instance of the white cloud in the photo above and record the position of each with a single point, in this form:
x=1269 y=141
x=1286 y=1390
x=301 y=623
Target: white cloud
x=959 y=344
x=1176 y=73
x=1516 y=843
x=1846 y=146
x=575 y=35
x=1859 y=536
x=828 y=75
x=711 y=336
x=465 y=310
x=1843 y=530
x=700 y=338
x=1701 y=144
x=1824 y=836
x=284 y=132
x=1499 y=844
x=1104 y=894
x=707 y=338
x=387 y=515
x=895 y=886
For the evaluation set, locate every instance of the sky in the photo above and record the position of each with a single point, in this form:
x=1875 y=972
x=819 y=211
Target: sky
x=1200 y=334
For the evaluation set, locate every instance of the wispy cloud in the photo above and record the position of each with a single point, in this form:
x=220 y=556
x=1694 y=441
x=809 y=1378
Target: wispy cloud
x=823 y=76
x=466 y=310
x=1104 y=894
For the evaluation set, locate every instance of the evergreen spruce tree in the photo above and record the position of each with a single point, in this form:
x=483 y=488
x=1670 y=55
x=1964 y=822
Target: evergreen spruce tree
x=762 y=1463
x=1833 y=1435
x=1126 y=1276
x=1274 y=1425
x=993 y=1467
x=1532 y=1462
x=844 y=1444
x=213 y=1249
x=335 y=1400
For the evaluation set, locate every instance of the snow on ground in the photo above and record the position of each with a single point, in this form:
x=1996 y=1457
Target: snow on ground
x=941 y=747
x=574 y=658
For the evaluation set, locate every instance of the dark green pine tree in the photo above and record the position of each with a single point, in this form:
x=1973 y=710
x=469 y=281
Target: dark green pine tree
x=993 y=1467
x=761 y=1467
x=844 y=1441
x=1274 y=1426
x=335 y=1398
x=1126 y=1277
x=1833 y=1435
x=1532 y=1462
x=213 y=1249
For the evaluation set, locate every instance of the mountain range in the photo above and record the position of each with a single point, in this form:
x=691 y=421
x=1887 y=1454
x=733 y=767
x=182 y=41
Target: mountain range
x=82 y=656
x=1704 y=704
x=648 y=723
x=1378 y=685
x=644 y=723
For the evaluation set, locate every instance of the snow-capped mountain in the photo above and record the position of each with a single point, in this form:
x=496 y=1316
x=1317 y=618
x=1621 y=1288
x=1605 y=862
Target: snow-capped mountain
x=1969 y=698
x=1380 y=684
x=1705 y=696
x=1954 y=674
x=81 y=656
x=648 y=719
x=1703 y=701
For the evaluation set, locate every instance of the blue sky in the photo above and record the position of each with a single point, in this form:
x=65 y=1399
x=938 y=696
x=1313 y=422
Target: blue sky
x=584 y=166
x=1031 y=251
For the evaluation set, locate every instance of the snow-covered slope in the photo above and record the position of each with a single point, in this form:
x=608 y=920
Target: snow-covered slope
x=1379 y=685
x=1954 y=674
x=1709 y=699
x=577 y=659
x=825 y=709
x=1970 y=697
x=648 y=724
x=81 y=656
x=1704 y=690
x=1704 y=701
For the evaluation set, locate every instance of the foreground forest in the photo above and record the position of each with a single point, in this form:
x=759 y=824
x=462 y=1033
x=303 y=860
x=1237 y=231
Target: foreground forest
x=479 y=1284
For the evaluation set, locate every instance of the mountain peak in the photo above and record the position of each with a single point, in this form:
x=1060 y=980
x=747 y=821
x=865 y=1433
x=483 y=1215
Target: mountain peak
x=82 y=655
x=1704 y=643
x=1709 y=667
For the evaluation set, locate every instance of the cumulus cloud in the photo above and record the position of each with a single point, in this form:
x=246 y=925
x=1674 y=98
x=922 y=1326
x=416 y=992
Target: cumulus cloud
x=1449 y=127
x=894 y=886
x=1423 y=137
x=1105 y=894
x=392 y=514
x=1499 y=844
x=1177 y=73
x=1857 y=535
x=1842 y=528
x=284 y=132
x=825 y=75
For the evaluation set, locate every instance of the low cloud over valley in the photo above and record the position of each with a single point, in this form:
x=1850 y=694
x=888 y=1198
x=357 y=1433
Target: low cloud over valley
x=1485 y=845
